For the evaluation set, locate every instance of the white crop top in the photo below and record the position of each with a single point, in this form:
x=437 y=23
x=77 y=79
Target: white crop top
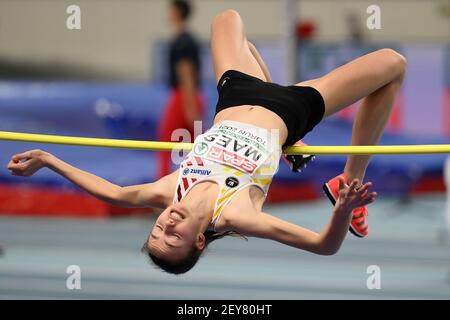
x=234 y=155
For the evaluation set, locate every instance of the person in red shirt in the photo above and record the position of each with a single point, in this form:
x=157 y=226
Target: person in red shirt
x=185 y=103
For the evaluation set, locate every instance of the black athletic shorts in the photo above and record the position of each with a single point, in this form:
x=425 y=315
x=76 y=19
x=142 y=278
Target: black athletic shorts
x=301 y=108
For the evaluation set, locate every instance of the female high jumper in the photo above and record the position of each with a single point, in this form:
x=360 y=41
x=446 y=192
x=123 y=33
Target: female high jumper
x=222 y=183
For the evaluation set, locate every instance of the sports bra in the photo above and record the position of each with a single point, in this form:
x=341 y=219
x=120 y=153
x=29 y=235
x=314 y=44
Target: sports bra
x=234 y=155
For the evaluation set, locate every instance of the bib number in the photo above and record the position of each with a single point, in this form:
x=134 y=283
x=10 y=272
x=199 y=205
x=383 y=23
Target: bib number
x=231 y=149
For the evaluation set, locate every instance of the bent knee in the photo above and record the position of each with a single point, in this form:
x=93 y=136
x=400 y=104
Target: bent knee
x=396 y=62
x=227 y=18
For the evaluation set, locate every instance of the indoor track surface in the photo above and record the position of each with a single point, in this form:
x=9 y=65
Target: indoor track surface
x=407 y=242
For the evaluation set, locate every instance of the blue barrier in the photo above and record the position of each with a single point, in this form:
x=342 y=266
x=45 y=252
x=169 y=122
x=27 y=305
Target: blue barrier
x=132 y=111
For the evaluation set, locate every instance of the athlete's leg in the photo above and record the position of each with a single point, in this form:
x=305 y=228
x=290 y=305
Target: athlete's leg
x=377 y=78
x=260 y=61
x=230 y=48
x=369 y=124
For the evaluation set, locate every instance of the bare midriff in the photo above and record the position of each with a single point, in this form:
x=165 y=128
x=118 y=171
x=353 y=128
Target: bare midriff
x=254 y=115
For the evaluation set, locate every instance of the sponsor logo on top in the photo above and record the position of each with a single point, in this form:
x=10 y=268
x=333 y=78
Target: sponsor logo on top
x=202 y=172
x=200 y=148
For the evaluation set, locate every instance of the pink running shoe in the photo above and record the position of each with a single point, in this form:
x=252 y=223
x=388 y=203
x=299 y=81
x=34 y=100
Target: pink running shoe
x=358 y=226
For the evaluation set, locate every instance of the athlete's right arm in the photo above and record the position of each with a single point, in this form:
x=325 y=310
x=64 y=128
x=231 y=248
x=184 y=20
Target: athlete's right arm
x=154 y=194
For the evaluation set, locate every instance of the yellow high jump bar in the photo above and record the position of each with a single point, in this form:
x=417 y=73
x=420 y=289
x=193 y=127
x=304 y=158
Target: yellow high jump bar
x=168 y=146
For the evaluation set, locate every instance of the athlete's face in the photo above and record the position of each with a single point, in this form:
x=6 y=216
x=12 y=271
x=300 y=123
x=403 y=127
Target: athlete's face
x=174 y=233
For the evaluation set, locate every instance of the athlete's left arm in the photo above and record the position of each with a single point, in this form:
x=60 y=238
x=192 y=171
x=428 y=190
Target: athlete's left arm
x=269 y=227
x=326 y=242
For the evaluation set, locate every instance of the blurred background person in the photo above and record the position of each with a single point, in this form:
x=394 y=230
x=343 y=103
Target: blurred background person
x=185 y=103
x=355 y=27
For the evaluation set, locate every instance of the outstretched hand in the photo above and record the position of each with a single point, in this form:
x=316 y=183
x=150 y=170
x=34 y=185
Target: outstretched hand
x=351 y=197
x=27 y=163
